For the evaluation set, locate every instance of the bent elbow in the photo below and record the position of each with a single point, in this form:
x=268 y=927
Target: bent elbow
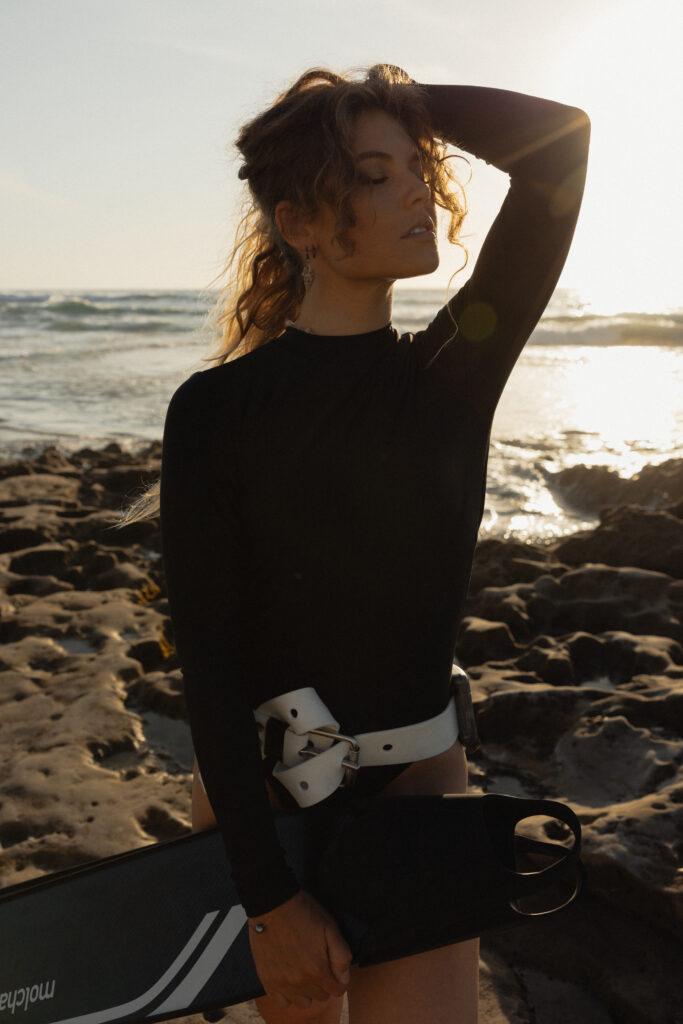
x=582 y=125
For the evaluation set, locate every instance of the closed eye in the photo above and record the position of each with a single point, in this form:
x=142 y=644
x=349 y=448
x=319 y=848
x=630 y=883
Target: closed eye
x=364 y=179
x=421 y=174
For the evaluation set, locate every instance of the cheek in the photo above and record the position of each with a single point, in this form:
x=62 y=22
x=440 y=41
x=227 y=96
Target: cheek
x=366 y=216
x=376 y=225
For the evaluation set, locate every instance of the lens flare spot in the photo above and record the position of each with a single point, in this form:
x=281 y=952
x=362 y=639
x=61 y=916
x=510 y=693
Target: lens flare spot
x=478 y=321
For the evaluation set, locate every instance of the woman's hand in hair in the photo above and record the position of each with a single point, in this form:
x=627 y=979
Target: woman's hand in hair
x=301 y=955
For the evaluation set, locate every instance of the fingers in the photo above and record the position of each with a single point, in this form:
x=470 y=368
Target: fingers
x=336 y=988
x=302 y=1002
x=312 y=992
x=308 y=991
x=339 y=955
x=304 y=990
x=337 y=979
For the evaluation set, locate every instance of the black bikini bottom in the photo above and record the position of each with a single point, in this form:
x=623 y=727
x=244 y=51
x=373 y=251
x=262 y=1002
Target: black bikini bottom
x=368 y=782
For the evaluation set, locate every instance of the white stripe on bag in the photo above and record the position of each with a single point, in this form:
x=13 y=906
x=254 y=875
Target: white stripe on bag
x=195 y=980
x=113 y=1012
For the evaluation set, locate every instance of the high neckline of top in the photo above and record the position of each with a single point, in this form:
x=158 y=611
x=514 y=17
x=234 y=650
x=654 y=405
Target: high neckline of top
x=380 y=334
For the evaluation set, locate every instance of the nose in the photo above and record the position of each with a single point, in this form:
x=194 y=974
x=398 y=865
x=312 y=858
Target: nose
x=417 y=190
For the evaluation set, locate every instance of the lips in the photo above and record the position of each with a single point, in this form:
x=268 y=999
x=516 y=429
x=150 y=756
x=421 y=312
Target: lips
x=425 y=223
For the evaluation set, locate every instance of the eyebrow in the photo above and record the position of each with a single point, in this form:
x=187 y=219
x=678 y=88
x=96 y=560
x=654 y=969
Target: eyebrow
x=383 y=156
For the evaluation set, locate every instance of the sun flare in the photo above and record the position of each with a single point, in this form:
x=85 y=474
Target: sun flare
x=626 y=255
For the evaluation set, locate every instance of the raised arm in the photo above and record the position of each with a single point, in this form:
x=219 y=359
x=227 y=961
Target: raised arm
x=543 y=146
x=201 y=547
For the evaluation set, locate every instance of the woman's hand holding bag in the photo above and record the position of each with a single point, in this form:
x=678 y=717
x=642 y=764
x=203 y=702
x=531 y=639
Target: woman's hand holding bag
x=301 y=954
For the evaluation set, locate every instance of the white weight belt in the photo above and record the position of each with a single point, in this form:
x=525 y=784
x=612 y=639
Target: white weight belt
x=317 y=758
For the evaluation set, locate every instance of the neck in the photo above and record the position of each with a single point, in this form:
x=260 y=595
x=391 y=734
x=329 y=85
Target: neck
x=347 y=307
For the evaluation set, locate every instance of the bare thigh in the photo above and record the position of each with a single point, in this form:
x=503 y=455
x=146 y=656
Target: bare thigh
x=440 y=986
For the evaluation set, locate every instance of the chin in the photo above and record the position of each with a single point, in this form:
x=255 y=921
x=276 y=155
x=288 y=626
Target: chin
x=425 y=266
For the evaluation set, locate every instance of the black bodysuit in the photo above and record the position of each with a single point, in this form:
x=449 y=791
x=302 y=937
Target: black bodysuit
x=321 y=495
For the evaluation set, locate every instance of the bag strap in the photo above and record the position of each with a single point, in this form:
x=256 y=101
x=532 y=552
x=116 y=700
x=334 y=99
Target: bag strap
x=536 y=846
x=513 y=810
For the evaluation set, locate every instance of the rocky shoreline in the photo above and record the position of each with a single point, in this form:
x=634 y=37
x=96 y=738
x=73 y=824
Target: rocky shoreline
x=575 y=654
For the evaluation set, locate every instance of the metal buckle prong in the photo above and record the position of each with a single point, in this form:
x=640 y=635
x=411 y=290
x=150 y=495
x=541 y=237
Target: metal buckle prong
x=349 y=763
x=330 y=734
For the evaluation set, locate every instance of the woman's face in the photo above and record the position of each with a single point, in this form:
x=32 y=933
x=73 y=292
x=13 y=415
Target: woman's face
x=392 y=199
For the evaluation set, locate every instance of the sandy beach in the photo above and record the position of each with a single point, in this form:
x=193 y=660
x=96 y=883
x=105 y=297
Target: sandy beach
x=575 y=654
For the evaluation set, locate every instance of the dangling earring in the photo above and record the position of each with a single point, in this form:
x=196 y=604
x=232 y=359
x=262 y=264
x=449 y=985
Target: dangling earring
x=308 y=273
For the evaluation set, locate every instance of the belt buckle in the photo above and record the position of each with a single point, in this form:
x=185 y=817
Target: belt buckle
x=349 y=763
x=464 y=709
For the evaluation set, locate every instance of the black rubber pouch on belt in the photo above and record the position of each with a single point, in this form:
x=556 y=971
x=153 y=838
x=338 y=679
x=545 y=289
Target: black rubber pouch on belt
x=405 y=874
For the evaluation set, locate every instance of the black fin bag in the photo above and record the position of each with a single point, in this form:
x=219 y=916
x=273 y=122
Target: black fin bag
x=405 y=874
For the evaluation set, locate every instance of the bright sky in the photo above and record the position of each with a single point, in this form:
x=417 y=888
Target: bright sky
x=116 y=168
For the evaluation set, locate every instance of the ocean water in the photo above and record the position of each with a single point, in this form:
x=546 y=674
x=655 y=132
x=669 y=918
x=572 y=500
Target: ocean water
x=86 y=368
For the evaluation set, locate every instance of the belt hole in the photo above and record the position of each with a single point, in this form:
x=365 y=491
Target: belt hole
x=304 y=785
x=294 y=713
x=388 y=746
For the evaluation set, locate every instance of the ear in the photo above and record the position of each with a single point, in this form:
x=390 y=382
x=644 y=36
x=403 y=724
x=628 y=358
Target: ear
x=294 y=228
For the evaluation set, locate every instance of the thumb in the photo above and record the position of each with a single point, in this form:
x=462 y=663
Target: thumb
x=339 y=954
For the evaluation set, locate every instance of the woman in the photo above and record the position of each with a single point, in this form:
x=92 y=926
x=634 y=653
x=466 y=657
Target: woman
x=321 y=494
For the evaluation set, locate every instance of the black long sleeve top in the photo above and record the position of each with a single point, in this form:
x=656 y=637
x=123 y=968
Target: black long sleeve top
x=321 y=495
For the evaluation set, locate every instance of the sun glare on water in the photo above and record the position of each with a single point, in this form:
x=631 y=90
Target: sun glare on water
x=625 y=400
